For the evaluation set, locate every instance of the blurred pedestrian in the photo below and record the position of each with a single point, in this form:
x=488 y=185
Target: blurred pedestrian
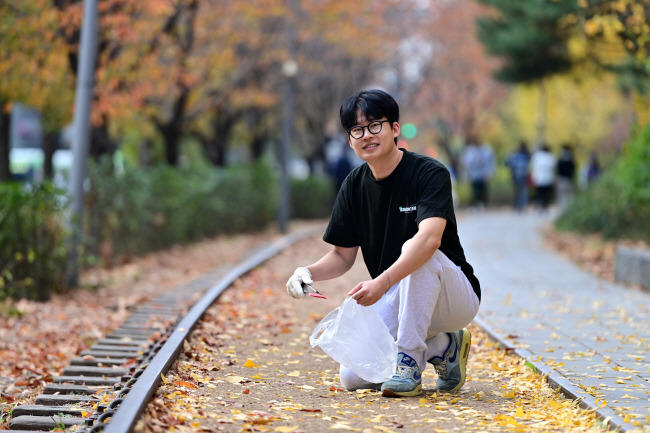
x=518 y=163
x=566 y=170
x=542 y=166
x=593 y=168
x=478 y=162
x=341 y=168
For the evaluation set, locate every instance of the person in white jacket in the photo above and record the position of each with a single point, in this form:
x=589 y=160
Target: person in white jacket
x=542 y=166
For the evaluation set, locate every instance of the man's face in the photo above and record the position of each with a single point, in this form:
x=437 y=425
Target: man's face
x=371 y=147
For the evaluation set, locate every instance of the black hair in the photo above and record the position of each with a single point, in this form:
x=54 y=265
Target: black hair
x=374 y=104
x=523 y=147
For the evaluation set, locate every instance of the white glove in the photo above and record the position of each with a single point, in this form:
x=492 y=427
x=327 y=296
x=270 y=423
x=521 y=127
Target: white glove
x=295 y=285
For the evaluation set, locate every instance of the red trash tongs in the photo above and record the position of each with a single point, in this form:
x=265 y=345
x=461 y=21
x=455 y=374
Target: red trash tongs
x=316 y=293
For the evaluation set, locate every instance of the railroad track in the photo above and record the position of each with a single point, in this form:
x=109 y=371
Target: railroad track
x=106 y=388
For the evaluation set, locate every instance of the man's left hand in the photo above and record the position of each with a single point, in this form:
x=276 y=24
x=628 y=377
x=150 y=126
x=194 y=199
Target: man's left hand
x=368 y=292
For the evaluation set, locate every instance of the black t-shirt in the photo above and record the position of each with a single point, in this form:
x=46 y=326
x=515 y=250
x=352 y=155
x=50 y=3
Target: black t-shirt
x=379 y=216
x=566 y=168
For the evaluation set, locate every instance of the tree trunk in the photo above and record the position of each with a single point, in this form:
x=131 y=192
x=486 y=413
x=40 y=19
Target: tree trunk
x=541 y=113
x=444 y=142
x=170 y=135
x=216 y=148
x=219 y=148
x=173 y=129
x=5 y=171
x=101 y=142
x=257 y=147
x=145 y=157
x=49 y=147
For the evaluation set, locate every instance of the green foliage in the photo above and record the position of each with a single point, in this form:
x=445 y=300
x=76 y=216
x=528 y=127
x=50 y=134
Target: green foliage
x=618 y=204
x=128 y=212
x=529 y=36
x=312 y=197
x=606 y=20
x=8 y=309
x=32 y=241
x=141 y=210
x=634 y=75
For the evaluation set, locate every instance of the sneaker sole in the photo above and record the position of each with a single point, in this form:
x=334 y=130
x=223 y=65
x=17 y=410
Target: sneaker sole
x=464 y=355
x=392 y=393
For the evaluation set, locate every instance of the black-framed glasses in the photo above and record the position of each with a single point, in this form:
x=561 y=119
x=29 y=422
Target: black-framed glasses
x=373 y=127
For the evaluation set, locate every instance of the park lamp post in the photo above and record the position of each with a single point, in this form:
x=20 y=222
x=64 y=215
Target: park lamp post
x=289 y=70
x=81 y=132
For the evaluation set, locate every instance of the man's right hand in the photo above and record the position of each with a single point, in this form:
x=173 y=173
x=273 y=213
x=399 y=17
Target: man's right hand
x=295 y=285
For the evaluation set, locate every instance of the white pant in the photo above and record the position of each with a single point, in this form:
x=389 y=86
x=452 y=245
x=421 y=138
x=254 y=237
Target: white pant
x=421 y=309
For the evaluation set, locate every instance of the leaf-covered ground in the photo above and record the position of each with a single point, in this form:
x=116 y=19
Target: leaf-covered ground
x=38 y=339
x=259 y=335
x=591 y=252
x=249 y=367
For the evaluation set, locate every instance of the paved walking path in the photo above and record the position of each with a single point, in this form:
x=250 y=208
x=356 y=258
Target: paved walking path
x=591 y=336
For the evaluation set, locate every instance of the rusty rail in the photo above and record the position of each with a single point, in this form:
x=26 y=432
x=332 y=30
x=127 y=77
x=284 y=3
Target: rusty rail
x=124 y=368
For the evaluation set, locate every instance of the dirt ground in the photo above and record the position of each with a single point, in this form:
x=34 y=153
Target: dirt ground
x=249 y=367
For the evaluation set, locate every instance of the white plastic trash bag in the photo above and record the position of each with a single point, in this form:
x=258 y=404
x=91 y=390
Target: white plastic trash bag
x=357 y=338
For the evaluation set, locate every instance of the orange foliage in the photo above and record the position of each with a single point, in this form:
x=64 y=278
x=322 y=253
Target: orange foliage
x=457 y=88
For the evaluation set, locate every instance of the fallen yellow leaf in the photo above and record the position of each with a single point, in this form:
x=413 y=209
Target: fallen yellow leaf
x=285 y=429
x=383 y=429
x=235 y=379
x=341 y=426
x=250 y=364
x=294 y=374
x=164 y=379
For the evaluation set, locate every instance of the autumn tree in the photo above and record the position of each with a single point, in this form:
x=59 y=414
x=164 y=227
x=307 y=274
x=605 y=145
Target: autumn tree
x=453 y=95
x=531 y=39
x=618 y=36
x=112 y=21
x=628 y=20
x=210 y=71
x=238 y=85
x=338 y=54
x=175 y=48
x=33 y=71
x=241 y=79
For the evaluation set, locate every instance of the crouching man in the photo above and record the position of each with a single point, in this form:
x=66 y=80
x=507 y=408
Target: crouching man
x=398 y=208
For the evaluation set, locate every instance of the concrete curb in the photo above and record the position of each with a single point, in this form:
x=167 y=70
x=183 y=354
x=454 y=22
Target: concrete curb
x=632 y=266
x=555 y=379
